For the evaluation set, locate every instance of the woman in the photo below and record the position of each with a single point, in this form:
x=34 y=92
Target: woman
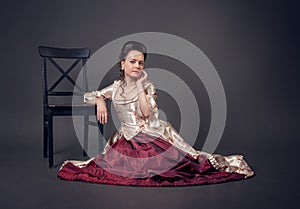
x=146 y=151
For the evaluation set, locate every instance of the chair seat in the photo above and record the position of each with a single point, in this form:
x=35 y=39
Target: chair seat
x=72 y=109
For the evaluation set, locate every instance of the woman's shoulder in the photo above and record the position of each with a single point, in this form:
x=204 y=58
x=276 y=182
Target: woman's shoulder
x=116 y=83
x=149 y=84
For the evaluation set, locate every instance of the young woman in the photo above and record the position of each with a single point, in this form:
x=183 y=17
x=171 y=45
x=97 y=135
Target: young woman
x=146 y=151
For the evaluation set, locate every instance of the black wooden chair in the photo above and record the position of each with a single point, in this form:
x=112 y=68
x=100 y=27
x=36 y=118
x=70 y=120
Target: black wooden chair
x=78 y=58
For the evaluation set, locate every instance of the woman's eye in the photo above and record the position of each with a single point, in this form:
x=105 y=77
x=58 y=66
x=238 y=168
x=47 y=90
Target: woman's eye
x=132 y=62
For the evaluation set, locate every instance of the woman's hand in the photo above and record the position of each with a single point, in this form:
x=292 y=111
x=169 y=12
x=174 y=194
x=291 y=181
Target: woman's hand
x=144 y=103
x=102 y=114
x=141 y=81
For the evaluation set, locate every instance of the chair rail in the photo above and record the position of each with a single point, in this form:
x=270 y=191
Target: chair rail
x=67 y=53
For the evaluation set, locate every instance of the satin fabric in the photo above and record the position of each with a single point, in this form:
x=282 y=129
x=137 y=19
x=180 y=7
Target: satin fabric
x=122 y=165
x=151 y=131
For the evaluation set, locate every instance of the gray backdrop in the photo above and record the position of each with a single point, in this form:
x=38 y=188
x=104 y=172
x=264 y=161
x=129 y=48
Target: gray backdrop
x=254 y=46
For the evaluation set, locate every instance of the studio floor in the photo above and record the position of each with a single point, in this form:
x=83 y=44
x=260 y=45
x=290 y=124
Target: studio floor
x=27 y=182
x=254 y=46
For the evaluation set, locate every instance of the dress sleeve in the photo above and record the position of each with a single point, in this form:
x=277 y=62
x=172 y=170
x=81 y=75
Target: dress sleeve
x=106 y=93
x=151 y=97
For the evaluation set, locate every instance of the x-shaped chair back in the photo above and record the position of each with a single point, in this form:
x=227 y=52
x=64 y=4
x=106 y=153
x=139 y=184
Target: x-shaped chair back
x=51 y=55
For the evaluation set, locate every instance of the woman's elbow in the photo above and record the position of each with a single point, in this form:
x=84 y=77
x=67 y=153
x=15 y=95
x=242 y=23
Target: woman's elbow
x=146 y=113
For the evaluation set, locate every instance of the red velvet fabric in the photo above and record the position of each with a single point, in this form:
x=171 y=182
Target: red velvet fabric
x=146 y=161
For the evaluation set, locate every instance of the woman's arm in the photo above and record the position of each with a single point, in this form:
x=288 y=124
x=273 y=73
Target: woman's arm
x=98 y=98
x=143 y=102
x=144 y=105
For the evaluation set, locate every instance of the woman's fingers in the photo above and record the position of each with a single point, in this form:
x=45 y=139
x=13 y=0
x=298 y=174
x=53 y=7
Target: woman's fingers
x=102 y=116
x=145 y=75
x=142 y=80
x=101 y=111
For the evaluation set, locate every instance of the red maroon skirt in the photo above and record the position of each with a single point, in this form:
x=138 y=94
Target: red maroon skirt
x=146 y=161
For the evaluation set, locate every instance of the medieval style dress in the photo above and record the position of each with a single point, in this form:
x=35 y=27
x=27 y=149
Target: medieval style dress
x=150 y=152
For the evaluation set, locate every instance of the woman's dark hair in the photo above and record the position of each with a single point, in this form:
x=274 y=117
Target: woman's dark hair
x=127 y=47
x=132 y=45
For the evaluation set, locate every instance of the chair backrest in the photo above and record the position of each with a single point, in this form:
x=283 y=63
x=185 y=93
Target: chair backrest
x=78 y=58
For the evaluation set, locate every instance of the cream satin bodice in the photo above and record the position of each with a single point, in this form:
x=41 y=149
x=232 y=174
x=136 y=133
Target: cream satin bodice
x=130 y=116
x=132 y=120
x=129 y=113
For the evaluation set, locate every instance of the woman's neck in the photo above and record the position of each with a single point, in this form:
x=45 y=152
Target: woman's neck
x=130 y=81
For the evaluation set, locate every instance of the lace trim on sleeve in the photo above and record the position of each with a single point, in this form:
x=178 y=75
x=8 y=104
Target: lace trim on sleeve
x=105 y=93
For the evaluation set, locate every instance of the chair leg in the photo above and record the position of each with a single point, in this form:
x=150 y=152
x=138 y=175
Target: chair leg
x=50 y=139
x=45 y=139
x=85 y=135
x=100 y=137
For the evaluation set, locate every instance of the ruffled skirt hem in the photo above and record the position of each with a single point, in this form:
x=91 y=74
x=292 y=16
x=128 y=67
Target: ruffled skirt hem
x=151 y=162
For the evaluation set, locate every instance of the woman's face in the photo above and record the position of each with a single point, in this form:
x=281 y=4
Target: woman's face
x=133 y=65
